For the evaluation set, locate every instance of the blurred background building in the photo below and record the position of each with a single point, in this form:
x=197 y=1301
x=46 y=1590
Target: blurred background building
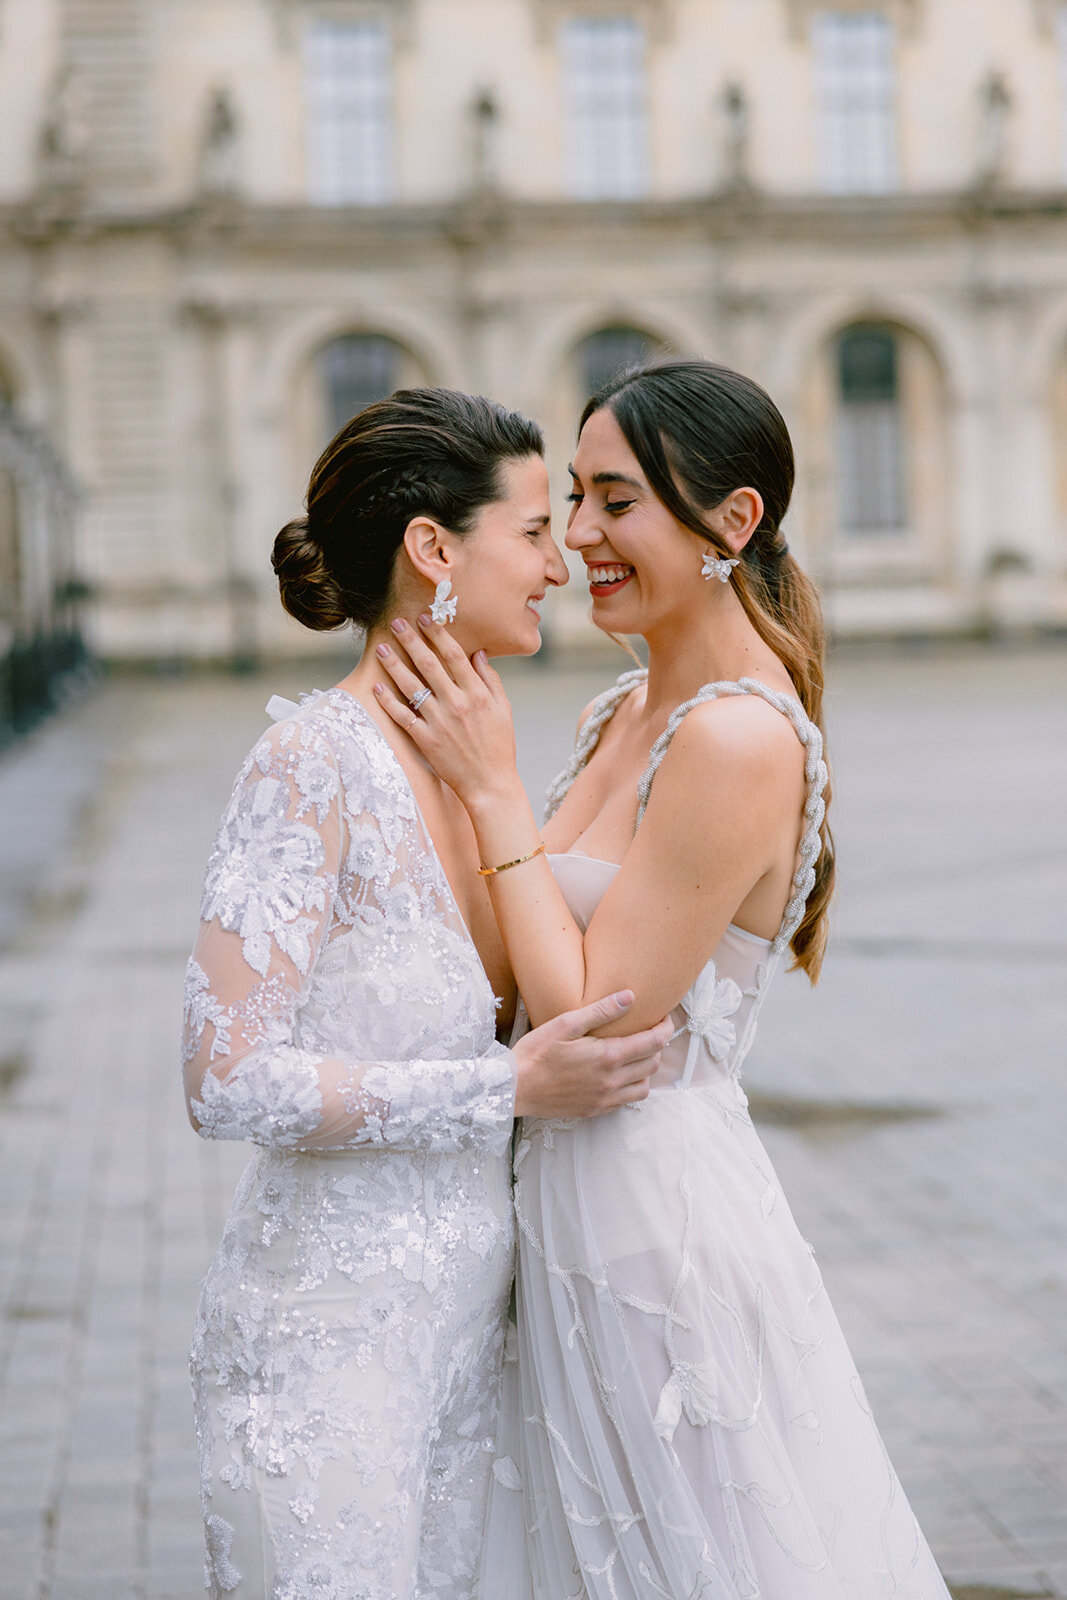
x=225 y=225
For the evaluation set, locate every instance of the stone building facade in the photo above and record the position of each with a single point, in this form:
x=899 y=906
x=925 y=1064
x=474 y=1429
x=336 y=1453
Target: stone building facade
x=225 y=224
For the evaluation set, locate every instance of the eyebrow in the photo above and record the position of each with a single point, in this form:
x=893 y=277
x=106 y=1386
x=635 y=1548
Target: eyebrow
x=540 y=522
x=601 y=478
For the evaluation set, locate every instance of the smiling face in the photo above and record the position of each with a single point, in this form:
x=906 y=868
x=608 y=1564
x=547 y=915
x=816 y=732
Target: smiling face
x=643 y=565
x=503 y=568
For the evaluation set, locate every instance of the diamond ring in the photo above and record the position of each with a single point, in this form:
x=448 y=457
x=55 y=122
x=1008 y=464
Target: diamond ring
x=420 y=699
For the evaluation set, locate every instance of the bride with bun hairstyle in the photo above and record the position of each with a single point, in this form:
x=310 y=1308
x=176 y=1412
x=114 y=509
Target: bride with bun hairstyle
x=341 y=1014
x=682 y=1419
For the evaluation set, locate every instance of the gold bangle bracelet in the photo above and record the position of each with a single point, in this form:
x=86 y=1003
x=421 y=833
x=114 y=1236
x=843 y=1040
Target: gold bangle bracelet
x=489 y=872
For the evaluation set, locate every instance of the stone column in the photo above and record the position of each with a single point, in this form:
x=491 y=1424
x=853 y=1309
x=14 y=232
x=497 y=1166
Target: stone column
x=220 y=328
x=1011 y=560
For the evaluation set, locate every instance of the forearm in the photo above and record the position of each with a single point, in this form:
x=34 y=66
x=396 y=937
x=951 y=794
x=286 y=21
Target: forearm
x=544 y=943
x=291 y=1099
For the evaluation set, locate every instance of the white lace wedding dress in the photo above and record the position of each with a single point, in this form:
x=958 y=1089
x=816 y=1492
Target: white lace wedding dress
x=681 y=1416
x=348 y=1342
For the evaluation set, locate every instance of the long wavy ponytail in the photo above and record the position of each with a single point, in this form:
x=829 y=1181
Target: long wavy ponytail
x=700 y=431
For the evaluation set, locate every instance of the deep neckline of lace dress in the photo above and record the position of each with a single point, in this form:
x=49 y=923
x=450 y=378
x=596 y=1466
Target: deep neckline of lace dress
x=366 y=721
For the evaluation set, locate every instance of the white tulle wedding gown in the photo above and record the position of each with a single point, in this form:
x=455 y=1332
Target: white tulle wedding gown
x=347 y=1352
x=682 y=1419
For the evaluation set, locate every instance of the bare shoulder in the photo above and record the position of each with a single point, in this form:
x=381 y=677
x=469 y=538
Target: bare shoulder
x=744 y=724
x=735 y=739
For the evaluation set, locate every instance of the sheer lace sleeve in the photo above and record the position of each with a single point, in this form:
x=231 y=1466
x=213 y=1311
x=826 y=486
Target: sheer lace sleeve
x=270 y=910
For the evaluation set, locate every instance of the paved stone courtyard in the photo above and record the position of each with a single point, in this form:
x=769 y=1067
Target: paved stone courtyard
x=915 y=1104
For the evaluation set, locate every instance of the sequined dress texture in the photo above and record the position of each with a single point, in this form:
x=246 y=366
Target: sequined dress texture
x=682 y=1419
x=349 y=1337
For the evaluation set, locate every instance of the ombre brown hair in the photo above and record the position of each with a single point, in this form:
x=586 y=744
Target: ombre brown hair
x=423 y=452
x=700 y=431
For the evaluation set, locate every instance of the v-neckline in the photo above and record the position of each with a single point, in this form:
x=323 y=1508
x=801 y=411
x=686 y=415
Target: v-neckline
x=369 y=722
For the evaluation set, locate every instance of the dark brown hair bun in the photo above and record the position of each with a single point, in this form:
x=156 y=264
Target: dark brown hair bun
x=309 y=591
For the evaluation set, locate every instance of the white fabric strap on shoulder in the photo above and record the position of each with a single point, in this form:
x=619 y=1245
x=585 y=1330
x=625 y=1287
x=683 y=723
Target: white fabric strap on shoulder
x=601 y=712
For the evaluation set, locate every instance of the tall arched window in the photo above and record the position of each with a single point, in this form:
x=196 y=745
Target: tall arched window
x=1059 y=435
x=872 y=471
x=10 y=575
x=338 y=378
x=608 y=351
x=39 y=641
x=354 y=371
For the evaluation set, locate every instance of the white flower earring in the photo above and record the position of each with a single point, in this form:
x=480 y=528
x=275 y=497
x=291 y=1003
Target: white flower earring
x=444 y=609
x=718 y=567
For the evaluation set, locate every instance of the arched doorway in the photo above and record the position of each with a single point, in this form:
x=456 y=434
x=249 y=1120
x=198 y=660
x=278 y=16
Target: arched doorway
x=40 y=643
x=871 y=445
x=10 y=573
x=354 y=371
x=1059 y=437
x=602 y=355
x=337 y=380
x=875 y=459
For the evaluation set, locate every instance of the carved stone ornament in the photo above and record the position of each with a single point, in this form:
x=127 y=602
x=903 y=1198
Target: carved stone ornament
x=907 y=14
x=64 y=137
x=220 y=145
x=996 y=103
x=736 y=134
x=291 y=15
x=483 y=129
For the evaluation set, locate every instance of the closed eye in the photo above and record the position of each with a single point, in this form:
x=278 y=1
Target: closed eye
x=575 y=499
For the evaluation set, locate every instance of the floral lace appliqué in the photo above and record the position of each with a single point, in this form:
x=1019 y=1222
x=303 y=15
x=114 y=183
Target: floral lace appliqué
x=349 y=1338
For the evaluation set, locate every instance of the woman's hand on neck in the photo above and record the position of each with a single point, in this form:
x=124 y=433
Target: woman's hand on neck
x=361 y=680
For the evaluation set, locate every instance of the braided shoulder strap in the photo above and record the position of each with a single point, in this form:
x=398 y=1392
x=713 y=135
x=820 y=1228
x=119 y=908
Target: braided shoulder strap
x=815 y=772
x=601 y=712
